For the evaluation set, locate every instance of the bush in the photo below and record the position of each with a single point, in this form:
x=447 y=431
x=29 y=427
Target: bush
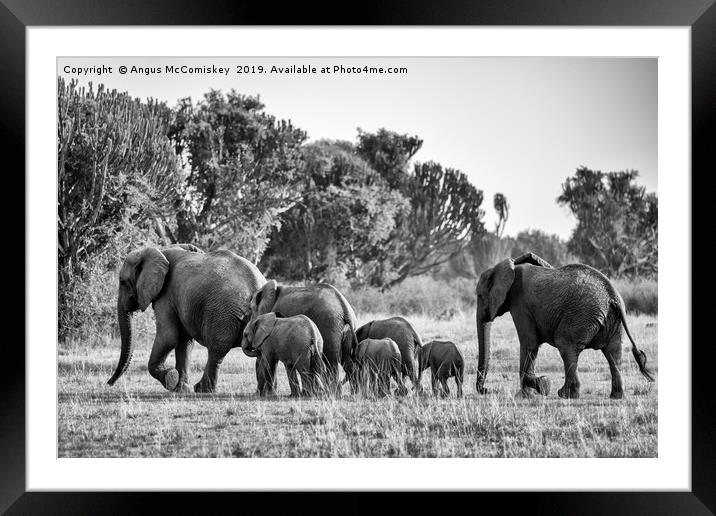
x=641 y=296
x=87 y=304
x=423 y=295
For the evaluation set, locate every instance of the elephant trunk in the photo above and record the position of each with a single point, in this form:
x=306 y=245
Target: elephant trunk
x=248 y=350
x=483 y=362
x=124 y=318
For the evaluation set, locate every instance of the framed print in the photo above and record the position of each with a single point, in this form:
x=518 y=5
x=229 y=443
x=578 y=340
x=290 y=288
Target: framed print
x=264 y=232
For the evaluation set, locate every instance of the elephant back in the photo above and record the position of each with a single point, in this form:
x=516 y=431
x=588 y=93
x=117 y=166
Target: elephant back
x=326 y=307
x=212 y=294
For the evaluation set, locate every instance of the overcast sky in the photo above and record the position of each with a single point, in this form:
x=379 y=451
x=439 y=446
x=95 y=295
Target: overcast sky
x=518 y=126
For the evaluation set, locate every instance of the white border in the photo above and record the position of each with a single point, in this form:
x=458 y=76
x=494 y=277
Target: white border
x=671 y=470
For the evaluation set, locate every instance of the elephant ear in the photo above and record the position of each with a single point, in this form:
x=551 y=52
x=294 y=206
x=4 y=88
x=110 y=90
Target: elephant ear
x=265 y=298
x=363 y=332
x=264 y=327
x=499 y=283
x=533 y=259
x=151 y=269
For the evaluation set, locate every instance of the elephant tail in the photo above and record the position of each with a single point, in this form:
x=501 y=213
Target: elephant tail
x=349 y=340
x=639 y=355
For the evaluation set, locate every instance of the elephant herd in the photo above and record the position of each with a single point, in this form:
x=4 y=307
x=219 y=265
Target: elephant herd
x=222 y=301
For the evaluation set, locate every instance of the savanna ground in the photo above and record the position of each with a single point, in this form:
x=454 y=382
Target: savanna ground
x=138 y=418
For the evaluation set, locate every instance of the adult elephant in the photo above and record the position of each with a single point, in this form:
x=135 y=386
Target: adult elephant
x=327 y=308
x=196 y=296
x=572 y=308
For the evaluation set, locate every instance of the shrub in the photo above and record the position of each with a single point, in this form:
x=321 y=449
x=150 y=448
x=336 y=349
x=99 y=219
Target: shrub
x=422 y=295
x=640 y=296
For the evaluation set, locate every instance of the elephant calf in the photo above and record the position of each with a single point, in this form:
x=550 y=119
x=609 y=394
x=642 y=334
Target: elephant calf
x=376 y=361
x=403 y=333
x=296 y=342
x=445 y=361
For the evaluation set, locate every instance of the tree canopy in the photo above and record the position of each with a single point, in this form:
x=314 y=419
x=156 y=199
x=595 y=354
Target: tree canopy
x=617 y=222
x=242 y=166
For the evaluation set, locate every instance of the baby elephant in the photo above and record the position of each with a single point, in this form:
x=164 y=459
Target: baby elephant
x=376 y=361
x=296 y=342
x=444 y=360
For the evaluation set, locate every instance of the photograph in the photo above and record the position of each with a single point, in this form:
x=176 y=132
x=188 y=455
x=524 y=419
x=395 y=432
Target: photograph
x=357 y=257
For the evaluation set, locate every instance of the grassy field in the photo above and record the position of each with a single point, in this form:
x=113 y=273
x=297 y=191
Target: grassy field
x=138 y=418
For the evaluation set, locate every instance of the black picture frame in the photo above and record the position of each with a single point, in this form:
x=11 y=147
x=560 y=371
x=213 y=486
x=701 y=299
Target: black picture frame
x=699 y=15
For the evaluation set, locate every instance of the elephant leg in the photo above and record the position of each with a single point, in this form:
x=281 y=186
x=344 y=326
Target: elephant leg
x=399 y=378
x=293 y=381
x=410 y=369
x=458 y=382
x=183 y=361
x=308 y=383
x=529 y=347
x=434 y=383
x=211 y=371
x=261 y=376
x=385 y=383
x=613 y=354
x=528 y=379
x=331 y=359
x=163 y=344
x=570 y=357
x=445 y=390
x=266 y=376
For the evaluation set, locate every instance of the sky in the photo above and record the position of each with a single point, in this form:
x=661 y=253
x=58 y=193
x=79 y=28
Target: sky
x=518 y=126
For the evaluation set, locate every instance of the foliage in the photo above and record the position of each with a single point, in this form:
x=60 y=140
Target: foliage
x=116 y=170
x=389 y=154
x=502 y=207
x=419 y=295
x=641 y=296
x=345 y=213
x=364 y=218
x=243 y=165
x=444 y=207
x=445 y=214
x=617 y=229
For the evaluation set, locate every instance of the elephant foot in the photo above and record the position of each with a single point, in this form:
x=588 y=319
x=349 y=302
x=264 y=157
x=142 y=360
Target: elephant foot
x=171 y=380
x=481 y=390
x=184 y=388
x=568 y=392
x=617 y=395
x=543 y=385
x=204 y=386
x=525 y=393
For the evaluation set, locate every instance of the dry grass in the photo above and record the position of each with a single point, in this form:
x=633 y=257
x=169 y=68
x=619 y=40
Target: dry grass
x=138 y=418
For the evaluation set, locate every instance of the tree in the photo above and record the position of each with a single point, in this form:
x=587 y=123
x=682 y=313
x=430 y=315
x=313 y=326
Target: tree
x=243 y=167
x=444 y=208
x=502 y=207
x=445 y=214
x=116 y=166
x=346 y=211
x=117 y=173
x=487 y=248
x=389 y=154
x=617 y=228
